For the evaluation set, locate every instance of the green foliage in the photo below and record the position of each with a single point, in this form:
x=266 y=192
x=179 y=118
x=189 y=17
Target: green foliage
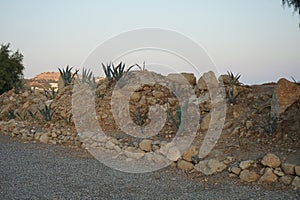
x=233 y=82
x=68 y=120
x=66 y=75
x=270 y=123
x=87 y=77
x=47 y=112
x=33 y=115
x=11 y=69
x=50 y=93
x=115 y=73
x=21 y=116
x=177 y=118
x=140 y=118
x=11 y=114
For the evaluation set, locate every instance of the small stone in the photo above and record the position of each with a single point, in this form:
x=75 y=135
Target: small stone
x=286 y=180
x=132 y=152
x=185 y=165
x=209 y=167
x=232 y=175
x=189 y=153
x=145 y=145
x=271 y=160
x=249 y=124
x=249 y=176
x=235 y=170
x=205 y=122
x=44 y=138
x=158 y=94
x=297 y=170
x=278 y=171
x=247 y=164
x=268 y=177
x=110 y=145
x=135 y=97
x=53 y=135
x=228 y=160
x=296 y=182
x=289 y=169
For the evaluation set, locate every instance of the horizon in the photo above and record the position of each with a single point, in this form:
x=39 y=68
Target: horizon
x=259 y=40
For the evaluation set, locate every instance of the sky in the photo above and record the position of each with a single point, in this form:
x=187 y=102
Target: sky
x=259 y=39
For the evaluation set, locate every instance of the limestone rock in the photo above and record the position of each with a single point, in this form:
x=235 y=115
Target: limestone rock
x=286 y=180
x=171 y=151
x=296 y=182
x=249 y=176
x=185 y=165
x=190 y=77
x=268 y=177
x=145 y=145
x=271 y=160
x=235 y=170
x=247 y=164
x=286 y=94
x=205 y=122
x=189 y=153
x=207 y=81
x=183 y=78
x=297 y=170
x=132 y=152
x=278 y=171
x=209 y=167
x=44 y=138
x=289 y=169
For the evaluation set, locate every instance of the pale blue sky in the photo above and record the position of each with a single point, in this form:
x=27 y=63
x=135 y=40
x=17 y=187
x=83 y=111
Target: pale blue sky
x=257 y=38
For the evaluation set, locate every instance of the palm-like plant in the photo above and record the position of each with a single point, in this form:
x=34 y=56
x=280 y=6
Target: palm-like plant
x=66 y=75
x=115 y=73
x=87 y=77
x=233 y=82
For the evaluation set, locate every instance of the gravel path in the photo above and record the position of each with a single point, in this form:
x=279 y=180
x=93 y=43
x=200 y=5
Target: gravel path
x=37 y=171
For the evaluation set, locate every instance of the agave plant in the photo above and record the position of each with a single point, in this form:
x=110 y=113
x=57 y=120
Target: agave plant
x=47 y=112
x=140 y=118
x=67 y=75
x=233 y=82
x=115 y=73
x=87 y=77
x=180 y=111
x=51 y=93
x=32 y=115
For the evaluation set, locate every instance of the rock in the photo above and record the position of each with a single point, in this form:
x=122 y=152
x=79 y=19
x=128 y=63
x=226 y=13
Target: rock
x=286 y=180
x=297 y=170
x=235 y=170
x=296 y=182
x=135 y=97
x=228 y=160
x=268 y=177
x=183 y=78
x=158 y=94
x=185 y=165
x=132 y=152
x=44 y=138
x=207 y=80
x=246 y=164
x=205 y=122
x=286 y=94
x=190 y=77
x=209 y=167
x=189 y=153
x=249 y=124
x=170 y=151
x=278 y=171
x=271 y=160
x=110 y=145
x=145 y=145
x=289 y=169
x=249 y=176
x=224 y=78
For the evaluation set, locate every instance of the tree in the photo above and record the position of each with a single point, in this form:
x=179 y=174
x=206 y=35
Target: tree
x=11 y=68
x=294 y=3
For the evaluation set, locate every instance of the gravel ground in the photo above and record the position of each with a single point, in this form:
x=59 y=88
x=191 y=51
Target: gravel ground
x=37 y=171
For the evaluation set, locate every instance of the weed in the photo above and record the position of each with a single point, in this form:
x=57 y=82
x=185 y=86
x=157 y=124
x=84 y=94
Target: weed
x=22 y=116
x=116 y=73
x=68 y=120
x=180 y=111
x=88 y=78
x=32 y=115
x=11 y=114
x=233 y=82
x=66 y=75
x=140 y=118
x=51 y=93
x=47 y=112
x=270 y=124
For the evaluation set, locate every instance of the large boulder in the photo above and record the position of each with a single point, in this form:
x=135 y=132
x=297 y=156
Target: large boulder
x=285 y=94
